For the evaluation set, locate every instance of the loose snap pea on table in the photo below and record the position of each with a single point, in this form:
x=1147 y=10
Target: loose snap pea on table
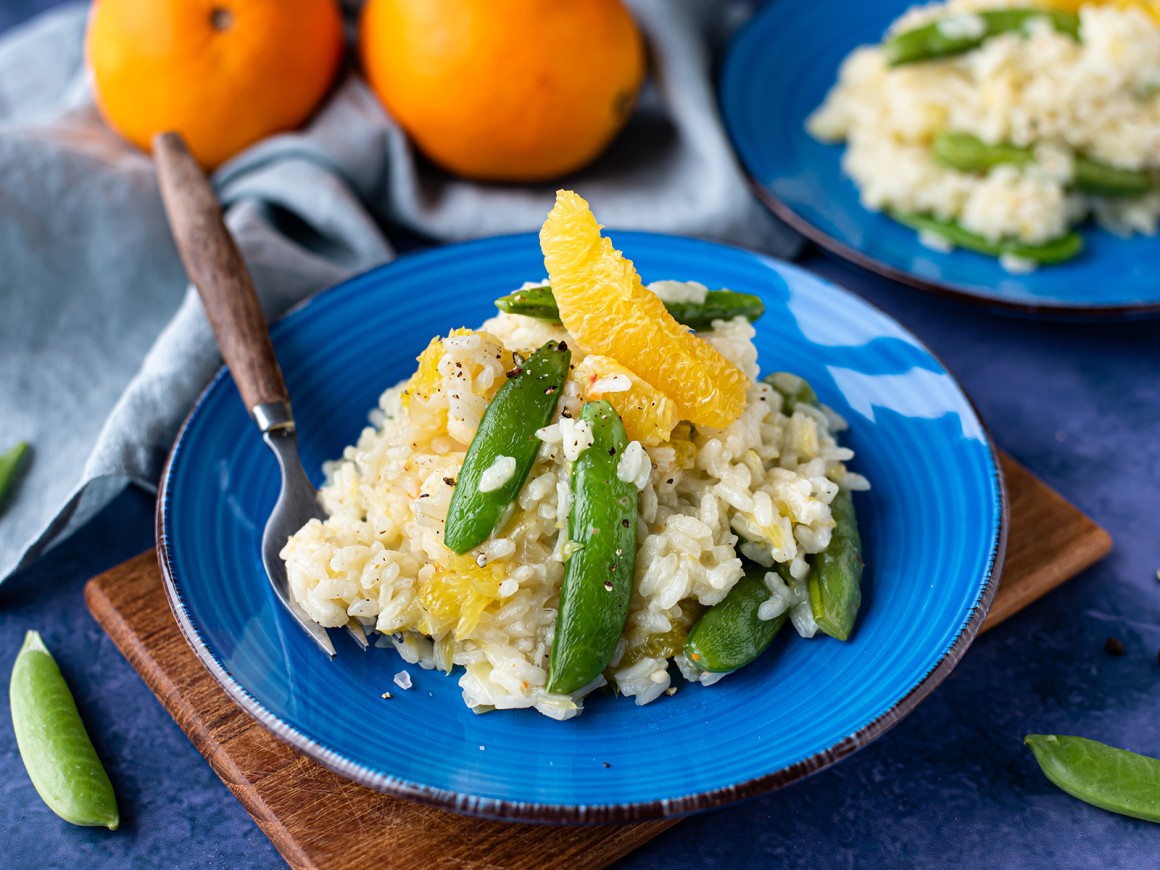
x=730 y=634
x=10 y=462
x=1101 y=775
x=508 y=428
x=53 y=743
x=597 y=585
x=968 y=153
x=958 y=34
x=835 y=583
x=1054 y=251
x=539 y=302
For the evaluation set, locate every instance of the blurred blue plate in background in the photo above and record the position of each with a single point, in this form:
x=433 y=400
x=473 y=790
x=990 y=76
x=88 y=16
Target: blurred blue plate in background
x=933 y=528
x=778 y=68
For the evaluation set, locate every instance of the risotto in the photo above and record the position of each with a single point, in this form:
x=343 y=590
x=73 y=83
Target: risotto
x=996 y=143
x=709 y=502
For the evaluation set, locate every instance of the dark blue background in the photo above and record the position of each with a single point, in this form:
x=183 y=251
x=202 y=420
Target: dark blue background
x=952 y=784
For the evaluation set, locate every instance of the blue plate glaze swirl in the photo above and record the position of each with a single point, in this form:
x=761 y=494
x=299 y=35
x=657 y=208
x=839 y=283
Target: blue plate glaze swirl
x=933 y=527
x=778 y=68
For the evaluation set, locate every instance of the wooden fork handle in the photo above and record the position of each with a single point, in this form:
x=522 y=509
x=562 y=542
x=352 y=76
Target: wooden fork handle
x=218 y=272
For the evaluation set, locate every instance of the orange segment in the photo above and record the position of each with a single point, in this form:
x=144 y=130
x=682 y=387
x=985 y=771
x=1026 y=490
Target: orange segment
x=647 y=413
x=607 y=309
x=1150 y=8
x=457 y=596
x=681 y=440
x=426 y=378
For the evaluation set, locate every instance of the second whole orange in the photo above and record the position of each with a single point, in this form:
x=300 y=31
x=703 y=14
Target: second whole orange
x=505 y=90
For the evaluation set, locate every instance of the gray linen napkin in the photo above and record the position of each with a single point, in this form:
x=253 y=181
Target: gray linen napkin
x=103 y=349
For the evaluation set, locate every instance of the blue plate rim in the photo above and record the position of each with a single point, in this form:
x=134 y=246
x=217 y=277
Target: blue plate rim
x=946 y=290
x=561 y=813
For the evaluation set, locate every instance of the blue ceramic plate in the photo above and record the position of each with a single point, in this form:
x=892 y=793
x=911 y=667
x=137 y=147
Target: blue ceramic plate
x=933 y=527
x=777 y=70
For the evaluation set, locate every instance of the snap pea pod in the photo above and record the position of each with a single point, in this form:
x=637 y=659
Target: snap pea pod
x=1056 y=251
x=730 y=634
x=539 y=302
x=525 y=403
x=1101 y=775
x=971 y=154
x=718 y=305
x=794 y=390
x=53 y=743
x=1100 y=179
x=9 y=466
x=968 y=153
x=958 y=34
x=835 y=583
x=597 y=585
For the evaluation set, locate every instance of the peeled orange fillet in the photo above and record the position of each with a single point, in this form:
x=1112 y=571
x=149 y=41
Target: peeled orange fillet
x=457 y=596
x=648 y=414
x=427 y=378
x=608 y=311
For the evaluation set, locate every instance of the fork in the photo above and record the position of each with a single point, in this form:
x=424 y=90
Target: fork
x=217 y=271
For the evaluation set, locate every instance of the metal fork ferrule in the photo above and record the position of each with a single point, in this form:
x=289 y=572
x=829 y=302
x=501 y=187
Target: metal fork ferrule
x=271 y=416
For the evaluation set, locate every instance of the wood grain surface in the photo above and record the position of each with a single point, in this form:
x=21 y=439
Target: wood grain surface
x=1049 y=542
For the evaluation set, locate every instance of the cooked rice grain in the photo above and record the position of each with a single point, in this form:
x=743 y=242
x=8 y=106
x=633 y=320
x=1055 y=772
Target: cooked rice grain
x=379 y=556
x=1099 y=96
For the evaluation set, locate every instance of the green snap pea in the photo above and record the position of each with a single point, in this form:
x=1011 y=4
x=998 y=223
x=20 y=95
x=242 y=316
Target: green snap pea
x=958 y=34
x=968 y=153
x=1055 y=251
x=10 y=462
x=1101 y=775
x=597 y=585
x=1100 y=179
x=53 y=743
x=718 y=305
x=508 y=429
x=835 y=583
x=539 y=302
x=794 y=390
x=730 y=634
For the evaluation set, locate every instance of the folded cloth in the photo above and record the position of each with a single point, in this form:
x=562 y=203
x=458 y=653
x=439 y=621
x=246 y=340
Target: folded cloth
x=103 y=348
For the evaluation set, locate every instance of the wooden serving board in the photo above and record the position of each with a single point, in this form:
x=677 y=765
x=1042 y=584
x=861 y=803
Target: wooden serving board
x=1049 y=541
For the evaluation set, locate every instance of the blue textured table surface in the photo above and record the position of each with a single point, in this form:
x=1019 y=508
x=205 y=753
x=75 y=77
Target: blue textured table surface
x=952 y=784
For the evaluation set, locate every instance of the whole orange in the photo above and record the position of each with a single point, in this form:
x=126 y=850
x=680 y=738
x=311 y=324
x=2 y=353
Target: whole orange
x=223 y=73
x=504 y=90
